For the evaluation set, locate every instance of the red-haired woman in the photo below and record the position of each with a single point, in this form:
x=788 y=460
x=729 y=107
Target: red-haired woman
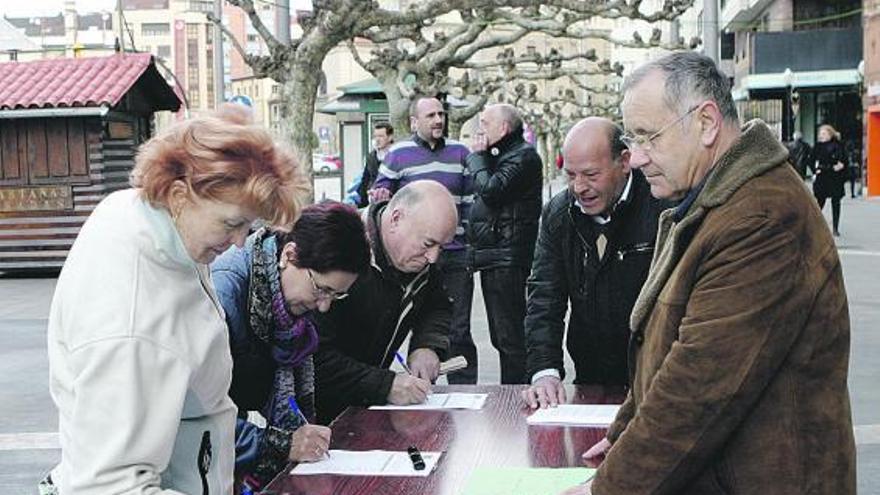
x=139 y=356
x=270 y=290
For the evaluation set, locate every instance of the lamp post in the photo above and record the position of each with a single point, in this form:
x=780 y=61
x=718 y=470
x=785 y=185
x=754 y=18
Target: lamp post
x=787 y=77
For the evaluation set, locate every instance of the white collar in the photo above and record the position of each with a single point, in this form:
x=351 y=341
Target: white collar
x=623 y=197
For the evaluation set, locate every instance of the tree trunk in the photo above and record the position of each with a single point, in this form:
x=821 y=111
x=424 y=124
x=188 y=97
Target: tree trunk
x=398 y=106
x=299 y=94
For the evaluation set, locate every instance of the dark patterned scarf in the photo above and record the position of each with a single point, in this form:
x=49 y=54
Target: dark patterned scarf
x=292 y=337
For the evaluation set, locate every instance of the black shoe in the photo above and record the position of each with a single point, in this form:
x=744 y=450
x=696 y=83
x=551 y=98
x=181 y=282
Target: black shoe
x=836 y=233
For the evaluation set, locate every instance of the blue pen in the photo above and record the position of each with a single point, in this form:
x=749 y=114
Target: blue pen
x=402 y=362
x=294 y=408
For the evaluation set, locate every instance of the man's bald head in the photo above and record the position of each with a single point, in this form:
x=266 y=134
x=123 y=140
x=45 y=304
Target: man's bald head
x=418 y=221
x=499 y=120
x=596 y=163
x=589 y=129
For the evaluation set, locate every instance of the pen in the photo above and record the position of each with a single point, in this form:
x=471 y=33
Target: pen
x=402 y=362
x=294 y=408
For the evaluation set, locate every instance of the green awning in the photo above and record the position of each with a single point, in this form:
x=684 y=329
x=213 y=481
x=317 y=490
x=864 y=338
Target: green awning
x=364 y=87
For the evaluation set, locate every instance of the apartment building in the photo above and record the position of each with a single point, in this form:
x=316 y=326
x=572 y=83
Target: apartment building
x=797 y=64
x=67 y=34
x=179 y=33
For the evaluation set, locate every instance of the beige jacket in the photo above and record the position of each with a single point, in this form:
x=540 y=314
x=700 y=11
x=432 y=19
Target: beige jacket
x=139 y=361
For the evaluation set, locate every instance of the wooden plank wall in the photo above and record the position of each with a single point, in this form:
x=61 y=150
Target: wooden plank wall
x=53 y=152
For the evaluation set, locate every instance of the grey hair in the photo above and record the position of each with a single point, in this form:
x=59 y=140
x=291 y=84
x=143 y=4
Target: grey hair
x=510 y=115
x=689 y=76
x=406 y=198
x=615 y=144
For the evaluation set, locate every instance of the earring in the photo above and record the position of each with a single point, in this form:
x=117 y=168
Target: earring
x=176 y=214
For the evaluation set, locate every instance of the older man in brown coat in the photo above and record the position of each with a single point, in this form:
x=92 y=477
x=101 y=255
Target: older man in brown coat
x=740 y=336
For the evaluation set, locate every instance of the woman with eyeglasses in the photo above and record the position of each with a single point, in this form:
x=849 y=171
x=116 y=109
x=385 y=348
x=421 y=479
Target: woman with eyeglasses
x=270 y=290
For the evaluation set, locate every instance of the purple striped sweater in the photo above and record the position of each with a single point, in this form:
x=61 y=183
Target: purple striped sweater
x=413 y=159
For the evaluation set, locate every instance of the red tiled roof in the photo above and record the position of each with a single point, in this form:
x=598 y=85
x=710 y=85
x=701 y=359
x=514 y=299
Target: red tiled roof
x=70 y=82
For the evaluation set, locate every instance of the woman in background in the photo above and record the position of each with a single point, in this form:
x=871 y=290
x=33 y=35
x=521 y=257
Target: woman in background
x=270 y=290
x=139 y=356
x=830 y=172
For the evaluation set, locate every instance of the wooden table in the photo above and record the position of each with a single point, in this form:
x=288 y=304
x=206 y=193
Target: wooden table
x=494 y=436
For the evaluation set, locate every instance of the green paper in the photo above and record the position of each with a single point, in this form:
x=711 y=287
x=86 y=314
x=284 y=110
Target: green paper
x=525 y=481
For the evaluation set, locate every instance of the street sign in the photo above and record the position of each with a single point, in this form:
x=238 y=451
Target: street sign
x=241 y=100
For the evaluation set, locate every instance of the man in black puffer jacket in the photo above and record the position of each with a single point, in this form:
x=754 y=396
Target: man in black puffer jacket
x=506 y=173
x=594 y=251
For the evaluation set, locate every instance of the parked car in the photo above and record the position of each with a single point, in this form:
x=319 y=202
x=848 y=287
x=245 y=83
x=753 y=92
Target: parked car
x=325 y=164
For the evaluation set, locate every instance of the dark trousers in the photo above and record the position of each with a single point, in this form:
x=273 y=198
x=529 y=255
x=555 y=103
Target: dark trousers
x=504 y=291
x=835 y=210
x=853 y=179
x=459 y=282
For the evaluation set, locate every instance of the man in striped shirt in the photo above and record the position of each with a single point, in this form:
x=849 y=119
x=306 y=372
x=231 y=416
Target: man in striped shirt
x=427 y=155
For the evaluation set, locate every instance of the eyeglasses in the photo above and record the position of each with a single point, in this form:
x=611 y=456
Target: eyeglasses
x=324 y=292
x=635 y=142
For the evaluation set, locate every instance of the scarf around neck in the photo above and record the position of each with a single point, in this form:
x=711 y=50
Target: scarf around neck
x=292 y=337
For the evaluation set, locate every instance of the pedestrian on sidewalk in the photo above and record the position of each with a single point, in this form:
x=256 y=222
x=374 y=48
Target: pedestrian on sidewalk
x=800 y=154
x=830 y=172
x=507 y=181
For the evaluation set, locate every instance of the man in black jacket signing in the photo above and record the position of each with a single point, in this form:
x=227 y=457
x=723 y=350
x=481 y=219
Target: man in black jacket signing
x=506 y=172
x=399 y=294
x=594 y=251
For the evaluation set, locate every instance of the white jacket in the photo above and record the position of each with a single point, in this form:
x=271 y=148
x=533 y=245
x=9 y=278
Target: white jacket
x=139 y=361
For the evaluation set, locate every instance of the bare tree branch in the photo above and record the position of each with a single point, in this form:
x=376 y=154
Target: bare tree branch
x=275 y=46
x=218 y=23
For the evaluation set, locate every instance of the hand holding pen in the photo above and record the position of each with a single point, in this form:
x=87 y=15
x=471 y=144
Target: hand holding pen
x=406 y=388
x=424 y=363
x=309 y=442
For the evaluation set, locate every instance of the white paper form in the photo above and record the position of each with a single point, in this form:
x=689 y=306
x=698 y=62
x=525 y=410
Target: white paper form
x=368 y=463
x=575 y=414
x=443 y=401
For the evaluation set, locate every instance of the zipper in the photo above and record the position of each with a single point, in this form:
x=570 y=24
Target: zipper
x=641 y=248
x=409 y=289
x=586 y=248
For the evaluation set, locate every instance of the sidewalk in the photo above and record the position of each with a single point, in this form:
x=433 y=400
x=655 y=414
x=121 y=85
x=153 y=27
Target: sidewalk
x=28 y=442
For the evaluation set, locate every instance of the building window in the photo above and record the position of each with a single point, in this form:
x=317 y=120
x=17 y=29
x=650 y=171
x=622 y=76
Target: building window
x=201 y=6
x=163 y=51
x=192 y=64
x=155 y=29
x=209 y=61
